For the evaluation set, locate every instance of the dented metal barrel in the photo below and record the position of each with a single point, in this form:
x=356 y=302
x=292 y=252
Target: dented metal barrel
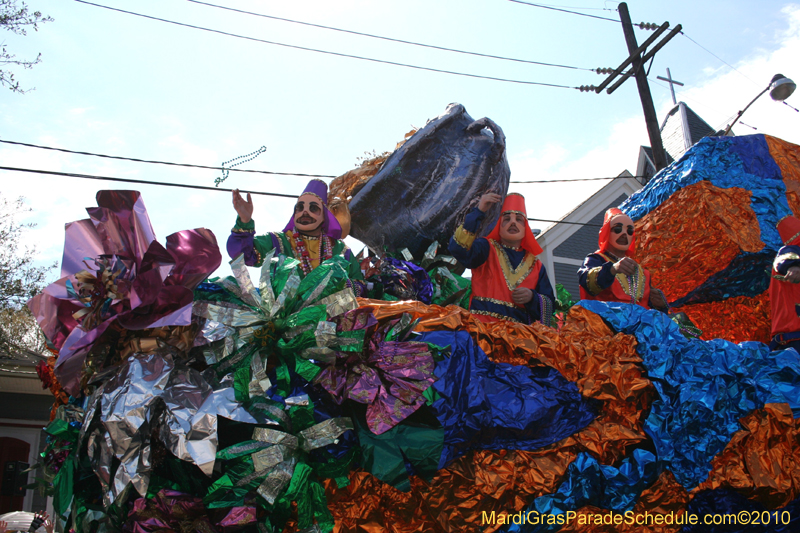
x=426 y=187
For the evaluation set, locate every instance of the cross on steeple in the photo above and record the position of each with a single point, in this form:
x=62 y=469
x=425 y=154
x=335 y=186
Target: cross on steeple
x=672 y=84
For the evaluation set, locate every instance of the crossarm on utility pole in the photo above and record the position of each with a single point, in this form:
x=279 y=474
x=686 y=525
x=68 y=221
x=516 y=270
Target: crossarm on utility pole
x=644 y=89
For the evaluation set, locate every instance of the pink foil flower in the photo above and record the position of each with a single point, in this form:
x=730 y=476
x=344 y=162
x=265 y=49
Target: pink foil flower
x=115 y=272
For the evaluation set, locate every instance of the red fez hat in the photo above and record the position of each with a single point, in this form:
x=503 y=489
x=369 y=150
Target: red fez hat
x=515 y=203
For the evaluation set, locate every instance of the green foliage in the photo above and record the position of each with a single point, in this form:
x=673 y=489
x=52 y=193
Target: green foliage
x=20 y=280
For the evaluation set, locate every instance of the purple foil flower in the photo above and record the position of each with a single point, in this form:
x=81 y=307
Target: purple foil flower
x=115 y=272
x=169 y=510
x=389 y=376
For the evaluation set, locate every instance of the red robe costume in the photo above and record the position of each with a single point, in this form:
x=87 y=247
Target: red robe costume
x=494 y=276
x=597 y=282
x=784 y=296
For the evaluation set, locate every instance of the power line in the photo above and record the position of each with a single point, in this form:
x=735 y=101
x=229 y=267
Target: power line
x=189 y=165
x=203 y=188
x=388 y=38
x=338 y=54
x=141 y=182
x=715 y=55
x=562 y=10
x=580 y=7
x=166 y=162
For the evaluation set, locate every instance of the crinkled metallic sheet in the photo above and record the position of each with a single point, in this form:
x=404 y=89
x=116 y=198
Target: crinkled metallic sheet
x=704 y=387
x=486 y=405
x=588 y=482
x=114 y=273
x=604 y=365
x=150 y=393
x=787 y=156
x=694 y=234
x=725 y=162
x=746 y=275
x=728 y=502
x=665 y=496
x=390 y=377
x=761 y=461
x=367 y=505
x=737 y=319
x=720 y=256
x=169 y=510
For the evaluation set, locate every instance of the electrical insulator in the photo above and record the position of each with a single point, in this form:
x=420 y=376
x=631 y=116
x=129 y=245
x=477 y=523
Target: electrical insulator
x=586 y=88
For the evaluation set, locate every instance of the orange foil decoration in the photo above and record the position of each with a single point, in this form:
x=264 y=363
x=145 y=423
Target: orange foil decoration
x=762 y=461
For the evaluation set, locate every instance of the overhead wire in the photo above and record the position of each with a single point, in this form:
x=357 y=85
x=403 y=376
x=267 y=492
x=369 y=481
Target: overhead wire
x=140 y=182
x=562 y=10
x=402 y=41
x=204 y=167
x=199 y=187
x=719 y=58
x=189 y=165
x=554 y=8
x=338 y=54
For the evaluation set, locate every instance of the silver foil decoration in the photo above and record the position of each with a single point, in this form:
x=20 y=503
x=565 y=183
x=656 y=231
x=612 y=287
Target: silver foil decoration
x=277 y=460
x=150 y=391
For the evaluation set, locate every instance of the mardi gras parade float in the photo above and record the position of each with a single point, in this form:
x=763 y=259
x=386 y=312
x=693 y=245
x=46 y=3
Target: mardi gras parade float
x=286 y=403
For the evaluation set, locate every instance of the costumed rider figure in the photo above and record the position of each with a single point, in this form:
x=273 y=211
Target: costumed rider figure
x=508 y=281
x=312 y=235
x=784 y=288
x=611 y=275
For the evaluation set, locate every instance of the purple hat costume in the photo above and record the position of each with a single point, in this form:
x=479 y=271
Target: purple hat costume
x=330 y=226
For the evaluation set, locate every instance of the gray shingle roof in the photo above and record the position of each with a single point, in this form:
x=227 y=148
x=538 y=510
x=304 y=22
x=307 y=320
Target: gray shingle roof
x=681 y=129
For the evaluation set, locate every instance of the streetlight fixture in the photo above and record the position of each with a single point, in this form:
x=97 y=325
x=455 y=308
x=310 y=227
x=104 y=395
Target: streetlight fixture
x=780 y=88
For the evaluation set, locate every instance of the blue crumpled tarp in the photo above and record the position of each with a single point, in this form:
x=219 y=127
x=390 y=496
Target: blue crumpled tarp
x=704 y=387
x=498 y=406
x=587 y=482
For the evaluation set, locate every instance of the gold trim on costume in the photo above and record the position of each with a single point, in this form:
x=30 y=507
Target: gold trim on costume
x=464 y=238
x=591 y=281
x=494 y=301
x=513 y=276
x=623 y=279
x=324 y=202
x=513 y=211
x=495 y=315
x=281 y=248
x=626 y=286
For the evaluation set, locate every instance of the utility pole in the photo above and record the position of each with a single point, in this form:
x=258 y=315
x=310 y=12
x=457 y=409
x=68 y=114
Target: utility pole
x=644 y=89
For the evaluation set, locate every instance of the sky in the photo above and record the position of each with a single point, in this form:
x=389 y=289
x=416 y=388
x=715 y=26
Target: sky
x=120 y=84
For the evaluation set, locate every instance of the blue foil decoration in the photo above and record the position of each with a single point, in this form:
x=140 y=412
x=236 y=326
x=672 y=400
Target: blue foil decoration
x=704 y=387
x=726 y=503
x=498 y=406
x=587 y=482
x=726 y=162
